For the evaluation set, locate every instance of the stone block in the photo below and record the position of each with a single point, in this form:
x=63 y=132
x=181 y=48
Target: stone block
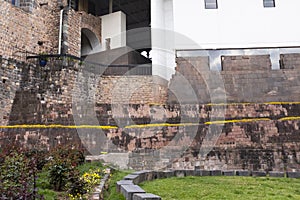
x=216 y=173
x=229 y=173
x=169 y=174
x=204 y=173
x=276 y=174
x=150 y=176
x=180 y=173
x=142 y=176
x=197 y=173
x=145 y=196
x=129 y=190
x=133 y=177
x=159 y=174
x=190 y=172
x=293 y=174
x=123 y=182
x=243 y=173
x=259 y=173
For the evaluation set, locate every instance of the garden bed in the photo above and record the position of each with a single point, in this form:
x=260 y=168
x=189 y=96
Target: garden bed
x=58 y=174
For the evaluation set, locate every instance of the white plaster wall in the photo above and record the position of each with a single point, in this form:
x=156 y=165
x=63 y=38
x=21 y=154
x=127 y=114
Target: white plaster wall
x=237 y=24
x=114 y=27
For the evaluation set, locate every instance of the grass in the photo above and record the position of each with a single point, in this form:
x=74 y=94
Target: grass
x=44 y=187
x=111 y=193
x=194 y=188
x=90 y=166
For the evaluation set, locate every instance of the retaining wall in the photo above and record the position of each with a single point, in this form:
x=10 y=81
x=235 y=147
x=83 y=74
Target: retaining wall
x=38 y=105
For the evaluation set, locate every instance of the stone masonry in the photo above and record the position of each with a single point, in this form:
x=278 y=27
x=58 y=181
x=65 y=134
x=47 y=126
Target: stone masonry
x=26 y=32
x=255 y=132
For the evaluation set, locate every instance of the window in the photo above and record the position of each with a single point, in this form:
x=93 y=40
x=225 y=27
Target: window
x=26 y=5
x=211 y=4
x=269 y=3
x=15 y=2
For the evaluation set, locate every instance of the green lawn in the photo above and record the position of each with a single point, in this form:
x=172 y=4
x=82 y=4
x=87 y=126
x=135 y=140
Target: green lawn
x=112 y=194
x=195 y=188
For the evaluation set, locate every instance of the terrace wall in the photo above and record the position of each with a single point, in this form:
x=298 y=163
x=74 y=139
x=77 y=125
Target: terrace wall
x=256 y=135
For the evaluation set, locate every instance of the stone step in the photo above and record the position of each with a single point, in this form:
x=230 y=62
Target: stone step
x=123 y=182
x=146 y=196
x=129 y=190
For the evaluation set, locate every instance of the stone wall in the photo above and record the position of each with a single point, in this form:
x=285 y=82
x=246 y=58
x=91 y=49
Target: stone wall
x=257 y=135
x=73 y=24
x=290 y=61
x=247 y=62
x=22 y=30
x=10 y=72
x=34 y=95
x=25 y=32
x=235 y=84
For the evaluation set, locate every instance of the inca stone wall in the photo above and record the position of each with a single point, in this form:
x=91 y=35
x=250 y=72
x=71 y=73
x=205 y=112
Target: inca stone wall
x=21 y=30
x=238 y=82
x=256 y=131
x=34 y=95
x=26 y=32
x=74 y=22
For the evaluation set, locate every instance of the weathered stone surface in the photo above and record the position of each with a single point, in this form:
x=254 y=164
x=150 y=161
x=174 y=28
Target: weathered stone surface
x=205 y=173
x=142 y=175
x=180 y=173
x=259 y=173
x=276 y=174
x=129 y=190
x=189 y=172
x=21 y=31
x=123 y=182
x=244 y=78
x=169 y=174
x=39 y=29
x=146 y=196
x=243 y=173
x=216 y=173
x=133 y=177
x=229 y=173
x=293 y=174
x=33 y=95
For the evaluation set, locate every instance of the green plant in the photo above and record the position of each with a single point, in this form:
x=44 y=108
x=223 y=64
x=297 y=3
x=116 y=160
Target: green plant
x=18 y=177
x=64 y=160
x=77 y=186
x=111 y=193
x=40 y=155
x=59 y=174
x=72 y=153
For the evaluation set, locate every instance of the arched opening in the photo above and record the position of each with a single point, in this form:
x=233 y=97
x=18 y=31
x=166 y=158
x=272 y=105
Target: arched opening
x=89 y=42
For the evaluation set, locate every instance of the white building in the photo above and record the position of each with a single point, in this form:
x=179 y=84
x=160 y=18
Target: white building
x=229 y=27
x=201 y=27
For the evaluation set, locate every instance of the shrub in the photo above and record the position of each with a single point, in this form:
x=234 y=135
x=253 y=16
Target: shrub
x=71 y=152
x=77 y=187
x=61 y=166
x=40 y=155
x=18 y=177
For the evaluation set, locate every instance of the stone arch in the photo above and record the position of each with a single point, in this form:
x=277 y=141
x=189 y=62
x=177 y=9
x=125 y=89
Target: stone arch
x=89 y=42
